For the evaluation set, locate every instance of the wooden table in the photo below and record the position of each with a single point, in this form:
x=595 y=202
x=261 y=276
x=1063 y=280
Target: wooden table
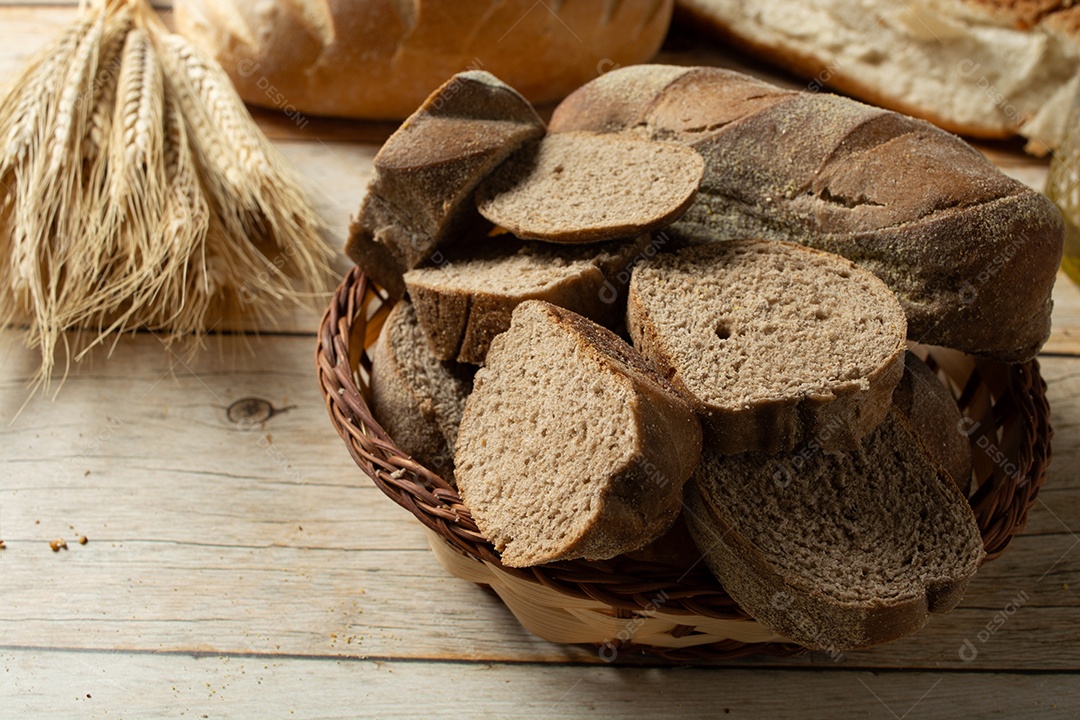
x=249 y=569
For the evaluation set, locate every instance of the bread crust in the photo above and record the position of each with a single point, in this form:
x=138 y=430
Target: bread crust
x=642 y=498
x=378 y=59
x=948 y=232
x=426 y=173
x=461 y=323
x=408 y=414
x=936 y=419
x=805 y=614
x=835 y=420
x=1017 y=98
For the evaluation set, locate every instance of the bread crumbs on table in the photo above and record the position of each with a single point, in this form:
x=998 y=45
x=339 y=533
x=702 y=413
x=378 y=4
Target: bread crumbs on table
x=58 y=545
x=83 y=540
x=3 y=546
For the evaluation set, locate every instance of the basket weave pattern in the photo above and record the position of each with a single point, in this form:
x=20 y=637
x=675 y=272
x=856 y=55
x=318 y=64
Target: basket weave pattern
x=652 y=607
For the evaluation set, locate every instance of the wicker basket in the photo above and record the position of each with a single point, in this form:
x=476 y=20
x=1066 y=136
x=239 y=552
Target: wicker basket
x=624 y=605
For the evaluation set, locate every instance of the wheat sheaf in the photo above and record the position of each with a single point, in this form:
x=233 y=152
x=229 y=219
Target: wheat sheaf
x=137 y=193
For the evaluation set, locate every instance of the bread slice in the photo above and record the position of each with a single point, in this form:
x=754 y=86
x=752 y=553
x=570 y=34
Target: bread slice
x=417 y=399
x=465 y=302
x=837 y=551
x=425 y=174
x=930 y=407
x=572 y=445
x=775 y=344
x=587 y=187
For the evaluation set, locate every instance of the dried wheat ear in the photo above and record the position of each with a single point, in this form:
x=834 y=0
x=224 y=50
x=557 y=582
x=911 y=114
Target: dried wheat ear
x=136 y=192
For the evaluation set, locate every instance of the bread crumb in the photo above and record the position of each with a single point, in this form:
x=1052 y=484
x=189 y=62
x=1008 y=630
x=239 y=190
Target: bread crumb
x=58 y=545
x=2 y=545
x=83 y=540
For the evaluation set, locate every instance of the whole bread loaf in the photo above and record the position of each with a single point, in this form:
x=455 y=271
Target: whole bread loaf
x=837 y=551
x=572 y=445
x=970 y=253
x=378 y=59
x=986 y=68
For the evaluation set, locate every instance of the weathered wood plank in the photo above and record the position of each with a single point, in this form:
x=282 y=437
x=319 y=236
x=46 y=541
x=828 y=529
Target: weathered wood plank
x=268 y=537
x=59 y=685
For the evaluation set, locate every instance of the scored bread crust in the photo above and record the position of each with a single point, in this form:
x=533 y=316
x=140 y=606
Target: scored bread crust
x=948 y=232
x=835 y=417
x=639 y=499
x=378 y=59
x=807 y=614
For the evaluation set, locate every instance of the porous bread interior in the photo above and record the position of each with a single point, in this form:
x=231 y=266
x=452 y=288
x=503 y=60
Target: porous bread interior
x=746 y=322
x=505 y=265
x=430 y=379
x=876 y=525
x=568 y=183
x=969 y=67
x=550 y=424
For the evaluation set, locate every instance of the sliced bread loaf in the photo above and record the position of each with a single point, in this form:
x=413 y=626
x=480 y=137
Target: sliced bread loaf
x=466 y=301
x=571 y=445
x=837 y=551
x=775 y=344
x=425 y=174
x=417 y=398
x=932 y=410
x=586 y=187
x=932 y=217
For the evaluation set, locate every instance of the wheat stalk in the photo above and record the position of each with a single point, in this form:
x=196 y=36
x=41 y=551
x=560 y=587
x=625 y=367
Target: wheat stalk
x=137 y=192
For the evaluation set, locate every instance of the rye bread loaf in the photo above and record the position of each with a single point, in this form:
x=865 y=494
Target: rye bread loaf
x=775 y=344
x=425 y=174
x=970 y=253
x=837 y=551
x=468 y=300
x=932 y=411
x=571 y=445
x=588 y=187
x=417 y=398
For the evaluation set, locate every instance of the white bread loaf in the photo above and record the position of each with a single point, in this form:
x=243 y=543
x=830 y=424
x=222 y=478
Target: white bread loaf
x=379 y=59
x=984 y=68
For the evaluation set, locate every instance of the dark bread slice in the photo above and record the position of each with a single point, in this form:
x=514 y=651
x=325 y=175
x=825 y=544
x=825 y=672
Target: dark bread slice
x=417 y=398
x=925 y=401
x=468 y=300
x=837 y=551
x=775 y=344
x=950 y=234
x=426 y=172
x=588 y=187
x=571 y=445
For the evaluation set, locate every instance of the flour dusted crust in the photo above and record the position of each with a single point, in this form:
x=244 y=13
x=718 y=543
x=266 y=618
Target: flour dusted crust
x=952 y=236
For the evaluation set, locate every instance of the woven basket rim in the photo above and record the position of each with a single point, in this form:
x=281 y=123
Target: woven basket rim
x=1000 y=500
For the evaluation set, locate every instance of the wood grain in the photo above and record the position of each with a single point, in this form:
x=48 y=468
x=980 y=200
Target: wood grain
x=140 y=685
x=265 y=536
